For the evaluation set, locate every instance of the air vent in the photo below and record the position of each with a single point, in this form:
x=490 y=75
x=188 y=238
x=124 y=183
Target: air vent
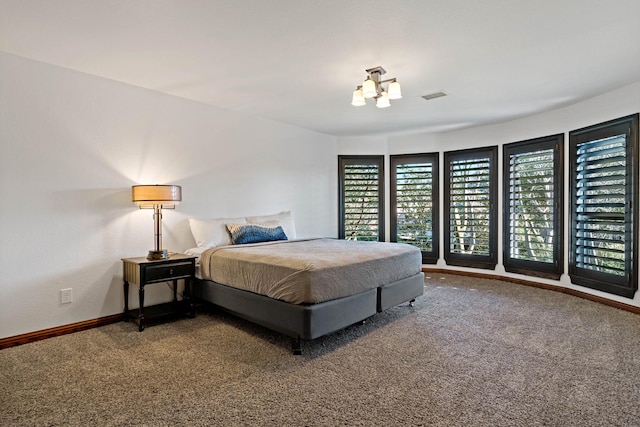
x=434 y=95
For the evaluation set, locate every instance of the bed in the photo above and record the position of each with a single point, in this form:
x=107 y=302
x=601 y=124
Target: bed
x=307 y=288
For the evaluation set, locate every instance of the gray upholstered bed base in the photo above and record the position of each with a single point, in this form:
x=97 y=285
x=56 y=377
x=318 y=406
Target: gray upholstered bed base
x=308 y=322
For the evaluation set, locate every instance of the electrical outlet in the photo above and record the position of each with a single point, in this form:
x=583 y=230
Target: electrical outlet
x=66 y=296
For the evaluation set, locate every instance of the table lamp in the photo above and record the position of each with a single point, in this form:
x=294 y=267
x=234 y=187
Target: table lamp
x=156 y=197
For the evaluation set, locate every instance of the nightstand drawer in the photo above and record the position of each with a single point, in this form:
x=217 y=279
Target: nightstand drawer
x=168 y=272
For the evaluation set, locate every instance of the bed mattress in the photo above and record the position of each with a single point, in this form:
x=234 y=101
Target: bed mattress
x=309 y=271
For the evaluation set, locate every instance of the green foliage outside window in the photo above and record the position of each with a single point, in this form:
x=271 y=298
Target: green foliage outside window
x=531 y=206
x=470 y=206
x=361 y=202
x=414 y=206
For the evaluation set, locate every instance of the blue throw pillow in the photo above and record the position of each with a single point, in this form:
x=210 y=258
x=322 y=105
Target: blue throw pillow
x=254 y=233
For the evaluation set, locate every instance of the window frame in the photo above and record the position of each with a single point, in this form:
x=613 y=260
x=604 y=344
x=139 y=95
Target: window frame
x=535 y=268
x=428 y=257
x=626 y=285
x=377 y=160
x=470 y=260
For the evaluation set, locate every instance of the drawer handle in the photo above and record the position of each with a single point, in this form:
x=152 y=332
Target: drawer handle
x=171 y=271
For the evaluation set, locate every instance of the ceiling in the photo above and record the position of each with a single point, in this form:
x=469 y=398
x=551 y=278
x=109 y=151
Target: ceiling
x=298 y=61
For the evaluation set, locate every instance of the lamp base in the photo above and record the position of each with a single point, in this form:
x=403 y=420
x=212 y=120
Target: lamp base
x=155 y=255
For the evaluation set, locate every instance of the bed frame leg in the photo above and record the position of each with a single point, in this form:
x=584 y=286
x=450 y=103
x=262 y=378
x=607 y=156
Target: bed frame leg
x=296 y=346
x=411 y=302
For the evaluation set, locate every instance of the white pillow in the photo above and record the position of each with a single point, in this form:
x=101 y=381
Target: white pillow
x=212 y=232
x=196 y=252
x=283 y=219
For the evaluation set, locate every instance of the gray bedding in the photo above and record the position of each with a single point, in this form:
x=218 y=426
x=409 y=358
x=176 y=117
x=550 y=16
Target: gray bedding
x=310 y=271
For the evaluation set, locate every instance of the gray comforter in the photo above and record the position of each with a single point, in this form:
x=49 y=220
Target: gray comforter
x=309 y=271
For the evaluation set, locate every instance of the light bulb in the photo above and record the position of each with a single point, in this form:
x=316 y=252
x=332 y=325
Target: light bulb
x=358 y=99
x=383 y=100
x=369 y=88
x=394 y=90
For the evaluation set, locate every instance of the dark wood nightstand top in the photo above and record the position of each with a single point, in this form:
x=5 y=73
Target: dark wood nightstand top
x=173 y=256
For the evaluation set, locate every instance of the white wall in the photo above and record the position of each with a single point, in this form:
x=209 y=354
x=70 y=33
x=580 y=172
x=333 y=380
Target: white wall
x=611 y=105
x=71 y=146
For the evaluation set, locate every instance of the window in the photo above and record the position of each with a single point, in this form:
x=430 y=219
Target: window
x=604 y=193
x=533 y=211
x=470 y=207
x=414 y=203
x=361 y=197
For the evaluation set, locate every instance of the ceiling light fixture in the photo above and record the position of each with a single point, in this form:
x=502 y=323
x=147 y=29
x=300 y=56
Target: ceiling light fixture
x=372 y=88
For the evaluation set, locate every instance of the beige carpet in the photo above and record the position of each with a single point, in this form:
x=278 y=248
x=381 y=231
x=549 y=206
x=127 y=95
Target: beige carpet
x=472 y=352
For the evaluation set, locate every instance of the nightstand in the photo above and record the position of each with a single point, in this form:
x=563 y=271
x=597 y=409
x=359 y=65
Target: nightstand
x=143 y=272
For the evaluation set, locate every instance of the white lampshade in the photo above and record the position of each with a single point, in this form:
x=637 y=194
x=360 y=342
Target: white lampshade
x=358 y=98
x=394 y=90
x=369 y=88
x=383 y=100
